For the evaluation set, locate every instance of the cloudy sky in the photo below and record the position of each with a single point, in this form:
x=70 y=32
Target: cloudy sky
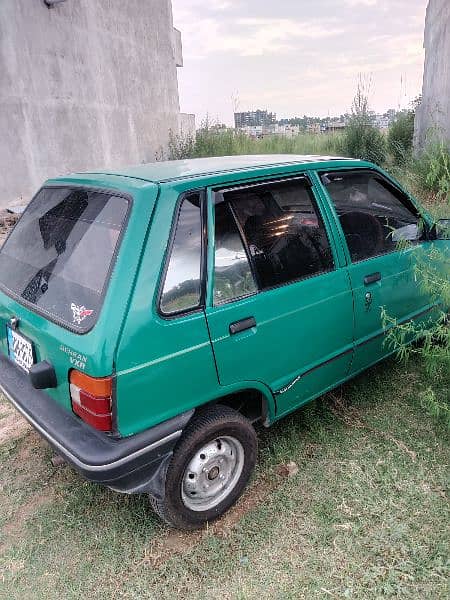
x=297 y=57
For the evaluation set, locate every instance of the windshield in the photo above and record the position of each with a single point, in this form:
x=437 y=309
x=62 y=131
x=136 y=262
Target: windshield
x=59 y=255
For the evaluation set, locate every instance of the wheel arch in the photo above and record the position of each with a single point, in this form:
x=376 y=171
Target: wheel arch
x=252 y=399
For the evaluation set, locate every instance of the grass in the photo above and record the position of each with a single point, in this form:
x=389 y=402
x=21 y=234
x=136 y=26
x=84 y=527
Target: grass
x=227 y=143
x=426 y=176
x=364 y=517
x=410 y=177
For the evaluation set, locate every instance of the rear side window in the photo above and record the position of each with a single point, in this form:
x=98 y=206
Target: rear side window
x=182 y=283
x=282 y=229
x=59 y=255
x=233 y=277
x=375 y=216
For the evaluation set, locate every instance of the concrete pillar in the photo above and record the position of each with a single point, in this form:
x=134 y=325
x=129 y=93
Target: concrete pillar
x=433 y=115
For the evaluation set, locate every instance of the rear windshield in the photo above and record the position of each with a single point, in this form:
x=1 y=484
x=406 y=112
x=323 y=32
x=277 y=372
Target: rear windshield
x=60 y=253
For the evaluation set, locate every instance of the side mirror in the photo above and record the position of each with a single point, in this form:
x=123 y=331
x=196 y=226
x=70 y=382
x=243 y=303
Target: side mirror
x=442 y=229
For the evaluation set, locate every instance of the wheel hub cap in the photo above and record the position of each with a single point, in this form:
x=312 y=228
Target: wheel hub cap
x=212 y=473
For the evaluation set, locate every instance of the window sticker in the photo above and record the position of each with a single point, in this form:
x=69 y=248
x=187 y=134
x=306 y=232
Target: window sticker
x=80 y=313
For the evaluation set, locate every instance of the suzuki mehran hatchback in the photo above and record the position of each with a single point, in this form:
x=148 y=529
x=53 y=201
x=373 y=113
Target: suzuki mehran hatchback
x=152 y=315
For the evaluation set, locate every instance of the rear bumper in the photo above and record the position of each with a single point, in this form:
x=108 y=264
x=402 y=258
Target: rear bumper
x=134 y=464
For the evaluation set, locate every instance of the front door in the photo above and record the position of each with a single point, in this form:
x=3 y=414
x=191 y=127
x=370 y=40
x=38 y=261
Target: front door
x=383 y=238
x=280 y=310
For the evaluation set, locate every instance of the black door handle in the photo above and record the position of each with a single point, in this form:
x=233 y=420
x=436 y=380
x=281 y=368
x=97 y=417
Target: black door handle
x=242 y=325
x=372 y=278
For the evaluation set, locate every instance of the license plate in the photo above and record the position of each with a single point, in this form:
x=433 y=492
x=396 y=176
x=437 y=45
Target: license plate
x=20 y=349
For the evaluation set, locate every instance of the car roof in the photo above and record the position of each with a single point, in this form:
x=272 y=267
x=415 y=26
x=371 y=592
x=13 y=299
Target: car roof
x=169 y=170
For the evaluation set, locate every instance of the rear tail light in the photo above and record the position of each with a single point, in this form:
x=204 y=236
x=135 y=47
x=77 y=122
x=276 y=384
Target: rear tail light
x=92 y=399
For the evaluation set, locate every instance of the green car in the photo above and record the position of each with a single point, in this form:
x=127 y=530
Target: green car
x=151 y=316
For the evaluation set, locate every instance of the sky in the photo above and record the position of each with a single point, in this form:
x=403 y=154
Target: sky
x=297 y=57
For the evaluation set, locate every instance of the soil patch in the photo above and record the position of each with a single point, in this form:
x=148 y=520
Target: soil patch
x=14 y=529
x=12 y=424
x=179 y=542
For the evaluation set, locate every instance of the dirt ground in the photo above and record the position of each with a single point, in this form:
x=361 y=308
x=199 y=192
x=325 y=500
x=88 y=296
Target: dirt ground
x=12 y=425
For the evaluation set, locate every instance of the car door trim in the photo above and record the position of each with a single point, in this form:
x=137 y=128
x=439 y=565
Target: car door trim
x=308 y=371
x=401 y=322
x=296 y=379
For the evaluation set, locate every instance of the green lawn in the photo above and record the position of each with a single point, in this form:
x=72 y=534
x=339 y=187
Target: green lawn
x=366 y=516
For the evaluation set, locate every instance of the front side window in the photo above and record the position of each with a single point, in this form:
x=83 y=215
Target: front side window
x=59 y=255
x=375 y=216
x=283 y=230
x=182 y=283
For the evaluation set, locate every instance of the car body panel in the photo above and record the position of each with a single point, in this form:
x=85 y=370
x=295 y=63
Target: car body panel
x=306 y=333
x=398 y=292
x=285 y=350
x=221 y=167
x=162 y=363
x=94 y=351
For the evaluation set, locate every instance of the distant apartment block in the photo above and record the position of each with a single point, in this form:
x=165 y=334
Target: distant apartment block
x=255 y=118
x=314 y=125
x=333 y=126
x=314 y=128
x=261 y=131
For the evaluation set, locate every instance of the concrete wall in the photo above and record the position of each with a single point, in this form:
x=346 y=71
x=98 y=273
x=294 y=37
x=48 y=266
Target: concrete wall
x=178 y=47
x=86 y=84
x=434 y=112
x=186 y=125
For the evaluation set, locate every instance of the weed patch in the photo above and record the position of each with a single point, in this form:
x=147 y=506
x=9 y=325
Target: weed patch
x=361 y=518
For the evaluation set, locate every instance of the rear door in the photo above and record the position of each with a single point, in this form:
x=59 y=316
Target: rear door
x=279 y=305
x=381 y=232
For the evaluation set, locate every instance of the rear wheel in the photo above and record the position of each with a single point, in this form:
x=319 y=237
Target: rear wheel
x=209 y=470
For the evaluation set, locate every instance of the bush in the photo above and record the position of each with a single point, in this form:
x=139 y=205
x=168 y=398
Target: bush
x=400 y=137
x=361 y=139
x=432 y=169
x=180 y=146
x=432 y=274
x=211 y=141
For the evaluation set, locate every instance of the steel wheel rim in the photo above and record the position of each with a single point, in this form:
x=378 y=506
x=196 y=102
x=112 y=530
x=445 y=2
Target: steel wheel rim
x=212 y=473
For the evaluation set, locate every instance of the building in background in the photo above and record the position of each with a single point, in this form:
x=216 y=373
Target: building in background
x=84 y=84
x=433 y=114
x=333 y=126
x=186 y=125
x=255 y=118
x=294 y=126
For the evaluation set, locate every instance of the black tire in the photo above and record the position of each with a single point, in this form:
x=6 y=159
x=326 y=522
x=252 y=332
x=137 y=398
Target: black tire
x=210 y=425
